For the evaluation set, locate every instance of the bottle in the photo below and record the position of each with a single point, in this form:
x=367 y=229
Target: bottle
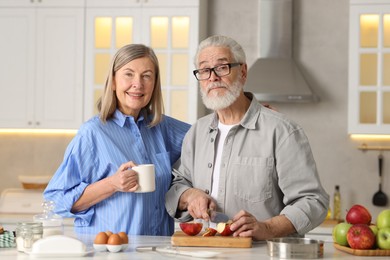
x=329 y=214
x=337 y=203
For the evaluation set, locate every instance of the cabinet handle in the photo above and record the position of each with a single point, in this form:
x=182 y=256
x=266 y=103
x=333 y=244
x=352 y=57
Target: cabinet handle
x=37 y=123
x=29 y=123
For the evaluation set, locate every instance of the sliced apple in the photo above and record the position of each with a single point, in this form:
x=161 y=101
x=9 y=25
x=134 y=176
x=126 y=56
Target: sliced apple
x=191 y=228
x=210 y=232
x=223 y=228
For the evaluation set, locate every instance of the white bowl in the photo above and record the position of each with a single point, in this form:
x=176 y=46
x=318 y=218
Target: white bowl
x=34 y=182
x=114 y=248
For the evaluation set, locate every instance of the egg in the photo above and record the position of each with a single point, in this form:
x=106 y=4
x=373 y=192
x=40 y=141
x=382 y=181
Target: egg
x=114 y=239
x=101 y=238
x=109 y=233
x=124 y=237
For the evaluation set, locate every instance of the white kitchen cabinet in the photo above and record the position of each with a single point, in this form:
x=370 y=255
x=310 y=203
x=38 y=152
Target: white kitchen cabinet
x=172 y=28
x=41 y=82
x=369 y=67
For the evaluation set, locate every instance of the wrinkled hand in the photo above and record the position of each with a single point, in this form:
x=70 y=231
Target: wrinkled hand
x=246 y=225
x=124 y=179
x=198 y=203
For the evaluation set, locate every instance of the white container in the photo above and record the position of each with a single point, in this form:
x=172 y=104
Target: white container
x=52 y=223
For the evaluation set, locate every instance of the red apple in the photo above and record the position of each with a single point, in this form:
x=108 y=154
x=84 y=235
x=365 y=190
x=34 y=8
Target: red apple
x=210 y=232
x=360 y=236
x=358 y=214
x=191 y=228
x=223 y=228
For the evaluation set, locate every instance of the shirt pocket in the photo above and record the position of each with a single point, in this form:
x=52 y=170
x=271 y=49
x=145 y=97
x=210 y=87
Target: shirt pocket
x=253 y=178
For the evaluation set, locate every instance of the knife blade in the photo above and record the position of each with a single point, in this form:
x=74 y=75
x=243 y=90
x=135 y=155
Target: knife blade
x=217 y=217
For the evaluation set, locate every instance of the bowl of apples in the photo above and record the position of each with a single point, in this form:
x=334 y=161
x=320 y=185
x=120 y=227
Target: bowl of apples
x=360 y=236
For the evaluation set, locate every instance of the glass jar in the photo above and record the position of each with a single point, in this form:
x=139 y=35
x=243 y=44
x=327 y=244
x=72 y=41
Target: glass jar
x=26 y=234
x=52 y=223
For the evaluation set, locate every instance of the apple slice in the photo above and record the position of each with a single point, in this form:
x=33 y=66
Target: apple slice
x=191 y=228
x=223 y=228
x=210 y=232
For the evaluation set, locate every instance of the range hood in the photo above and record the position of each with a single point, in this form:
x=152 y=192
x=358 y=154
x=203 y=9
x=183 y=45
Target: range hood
x=275 y=77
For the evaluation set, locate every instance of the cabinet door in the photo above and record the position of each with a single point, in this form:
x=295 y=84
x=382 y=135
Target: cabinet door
x=369 y=67
x=17 y=44
x=59 y=67
x=172 y=32
x=173 y=35
x=107 y=30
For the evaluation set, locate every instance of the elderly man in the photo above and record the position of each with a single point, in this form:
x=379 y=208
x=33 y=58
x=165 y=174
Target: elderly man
x=245 y=160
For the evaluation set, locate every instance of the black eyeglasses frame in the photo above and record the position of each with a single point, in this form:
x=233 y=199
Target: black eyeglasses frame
x=231 y=65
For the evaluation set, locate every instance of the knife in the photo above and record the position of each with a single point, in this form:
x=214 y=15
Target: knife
x=217 y=217
x=175 y=251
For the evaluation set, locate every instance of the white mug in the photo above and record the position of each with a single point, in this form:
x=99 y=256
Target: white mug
x=146 y=177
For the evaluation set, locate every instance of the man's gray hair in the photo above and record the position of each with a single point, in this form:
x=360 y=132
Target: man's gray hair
x=222 y=41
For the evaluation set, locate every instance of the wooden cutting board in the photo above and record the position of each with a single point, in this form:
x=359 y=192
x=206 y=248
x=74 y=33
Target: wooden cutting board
x=360 y=252
x=181 y=239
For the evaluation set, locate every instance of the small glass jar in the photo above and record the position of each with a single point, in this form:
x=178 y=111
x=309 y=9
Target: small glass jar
x=52 y=223
x=26 y=234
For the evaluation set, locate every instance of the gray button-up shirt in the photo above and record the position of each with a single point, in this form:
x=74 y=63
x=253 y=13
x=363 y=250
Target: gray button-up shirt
x=267 y=169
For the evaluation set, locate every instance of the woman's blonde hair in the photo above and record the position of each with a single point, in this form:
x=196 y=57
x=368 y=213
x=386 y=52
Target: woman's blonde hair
x=107 y=103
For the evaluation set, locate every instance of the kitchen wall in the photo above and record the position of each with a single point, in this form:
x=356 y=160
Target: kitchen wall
x=29 y=154
x=321 y=50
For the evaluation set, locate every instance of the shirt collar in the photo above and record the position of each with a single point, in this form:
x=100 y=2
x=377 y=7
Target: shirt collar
x=120 y=119
x=250 y=118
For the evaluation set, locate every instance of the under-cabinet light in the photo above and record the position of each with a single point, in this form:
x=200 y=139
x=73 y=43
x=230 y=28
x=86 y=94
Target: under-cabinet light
x=38 y=131
x=370 y=137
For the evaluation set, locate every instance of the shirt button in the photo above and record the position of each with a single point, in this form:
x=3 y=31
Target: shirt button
x=207 y=191
x=210 y=165
x=212 y=140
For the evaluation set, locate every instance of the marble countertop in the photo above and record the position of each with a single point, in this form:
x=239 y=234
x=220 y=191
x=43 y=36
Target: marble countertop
x=259 y=250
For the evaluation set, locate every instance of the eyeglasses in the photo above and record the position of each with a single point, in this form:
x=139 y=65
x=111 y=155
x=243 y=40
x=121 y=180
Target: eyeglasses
x=220 y=71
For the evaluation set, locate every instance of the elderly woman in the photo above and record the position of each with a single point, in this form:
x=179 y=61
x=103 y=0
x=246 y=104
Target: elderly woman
x=95 y=183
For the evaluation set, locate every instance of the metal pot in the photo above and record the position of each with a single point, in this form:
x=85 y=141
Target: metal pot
x=291 y=247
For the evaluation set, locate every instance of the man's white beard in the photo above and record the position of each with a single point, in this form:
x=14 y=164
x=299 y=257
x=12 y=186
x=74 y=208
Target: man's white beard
x=217 y=102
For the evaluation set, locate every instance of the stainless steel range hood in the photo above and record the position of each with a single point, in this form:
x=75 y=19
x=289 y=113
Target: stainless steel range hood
x=275 y=77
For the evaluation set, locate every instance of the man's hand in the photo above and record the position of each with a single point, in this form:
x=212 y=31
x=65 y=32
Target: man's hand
x=197 y=202
x=246 y=225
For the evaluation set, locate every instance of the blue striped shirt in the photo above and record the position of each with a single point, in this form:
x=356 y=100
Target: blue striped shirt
x=96 y=152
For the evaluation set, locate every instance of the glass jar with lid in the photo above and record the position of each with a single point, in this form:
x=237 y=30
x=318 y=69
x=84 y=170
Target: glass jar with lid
x=52 y=223
x=27 y=233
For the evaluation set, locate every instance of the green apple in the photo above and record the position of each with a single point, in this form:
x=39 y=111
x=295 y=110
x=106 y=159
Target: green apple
x=383 y=238
x=339 y=233
x=374 y=229
x=383 y=219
